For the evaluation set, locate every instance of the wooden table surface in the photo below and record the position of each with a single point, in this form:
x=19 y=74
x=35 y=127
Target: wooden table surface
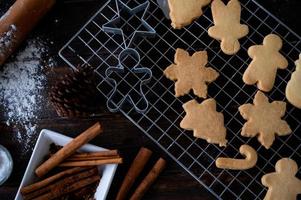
x=62 y=22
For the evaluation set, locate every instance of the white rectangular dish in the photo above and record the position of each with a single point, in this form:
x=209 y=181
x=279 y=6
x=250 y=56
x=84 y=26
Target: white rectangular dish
x=42 y=149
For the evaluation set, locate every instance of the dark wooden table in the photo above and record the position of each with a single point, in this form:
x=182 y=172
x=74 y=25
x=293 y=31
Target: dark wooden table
x=62 y=22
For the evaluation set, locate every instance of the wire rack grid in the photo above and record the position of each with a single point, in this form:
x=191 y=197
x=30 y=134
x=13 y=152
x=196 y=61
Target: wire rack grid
x=92 y=46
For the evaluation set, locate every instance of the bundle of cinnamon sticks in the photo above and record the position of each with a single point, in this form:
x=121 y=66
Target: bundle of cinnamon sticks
x=61 y=184
x=82 y=175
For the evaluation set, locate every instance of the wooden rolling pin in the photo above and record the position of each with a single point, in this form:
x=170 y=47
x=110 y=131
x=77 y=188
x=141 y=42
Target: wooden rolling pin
x=18 y=21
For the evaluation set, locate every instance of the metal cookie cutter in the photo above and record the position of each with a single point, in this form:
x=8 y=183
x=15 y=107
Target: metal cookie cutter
x=126 y=25
x=129 y=23
x=163 y=4
x=117 y=99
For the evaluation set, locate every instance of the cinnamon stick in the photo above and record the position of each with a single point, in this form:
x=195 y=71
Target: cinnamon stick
x=71 y=158
x=96 y=154
x=93 y=155
x=101 y=155
x=47 y=181
x=69 y=149
x=18 y=21
x=91 y=162
x=85 y=193
x=149 y=179
x=62 y=183
x=134 y=171
x=61 y=191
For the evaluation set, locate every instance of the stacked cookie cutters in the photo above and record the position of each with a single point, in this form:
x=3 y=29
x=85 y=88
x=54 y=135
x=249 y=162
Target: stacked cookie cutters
x=128 y=58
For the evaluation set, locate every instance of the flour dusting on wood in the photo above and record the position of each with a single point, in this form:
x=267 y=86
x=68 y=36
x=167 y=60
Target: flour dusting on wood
x=21 y=83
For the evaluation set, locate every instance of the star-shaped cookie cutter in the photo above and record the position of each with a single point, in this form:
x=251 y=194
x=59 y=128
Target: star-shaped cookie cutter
x=112 y=25
x=136 y=69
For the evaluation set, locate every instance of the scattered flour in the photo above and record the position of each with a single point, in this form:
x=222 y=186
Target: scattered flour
x=21 y=83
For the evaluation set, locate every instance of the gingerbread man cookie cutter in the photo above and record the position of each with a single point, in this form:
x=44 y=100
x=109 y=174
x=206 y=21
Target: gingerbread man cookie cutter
x=114 y=26
x=126 y=26
x=115 y=105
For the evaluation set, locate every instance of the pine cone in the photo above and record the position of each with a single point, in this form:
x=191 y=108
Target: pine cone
x=76 y=94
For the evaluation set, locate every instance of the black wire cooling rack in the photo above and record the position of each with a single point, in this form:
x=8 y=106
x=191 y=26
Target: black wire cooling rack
x=92 y=46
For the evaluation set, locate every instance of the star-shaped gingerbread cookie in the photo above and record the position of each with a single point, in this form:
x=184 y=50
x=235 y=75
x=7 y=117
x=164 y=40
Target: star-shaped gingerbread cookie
x=205 y=122
x=264 y=119
x=190 y=72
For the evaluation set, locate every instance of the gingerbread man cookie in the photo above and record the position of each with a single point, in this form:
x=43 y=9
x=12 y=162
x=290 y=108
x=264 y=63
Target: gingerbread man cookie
x=190 y=72
x=183 y=12
x=282 y=184
x=266 y=60
x=205 y=122
x=227 y=27
x=264 y=119
x=293 y=88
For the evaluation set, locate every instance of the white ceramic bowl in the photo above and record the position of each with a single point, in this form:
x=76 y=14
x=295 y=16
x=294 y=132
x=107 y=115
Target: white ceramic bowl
x=42 y=149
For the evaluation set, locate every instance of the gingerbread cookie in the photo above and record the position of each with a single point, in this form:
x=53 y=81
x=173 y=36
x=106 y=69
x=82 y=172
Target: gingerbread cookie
x=282 y=184
x=266 y=60
x=190 y=72
x=227 y=27
x=183 y=12
x=293 y=88
x=239 y=164
x=264 y=119
x=205 y=122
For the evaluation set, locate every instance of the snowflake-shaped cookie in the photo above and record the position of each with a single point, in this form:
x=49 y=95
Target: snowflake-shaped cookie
x=190 y=72
x=264 y=119
x=205 y=122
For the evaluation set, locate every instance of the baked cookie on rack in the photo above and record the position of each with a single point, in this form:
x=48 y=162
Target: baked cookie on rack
x=266 y=60
x=190 y=72
x=227 y=27
x=248 y=162
x=293 y=88
x=205 y=122
x=264 y=119
x=183 y=12
x=282 y=184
